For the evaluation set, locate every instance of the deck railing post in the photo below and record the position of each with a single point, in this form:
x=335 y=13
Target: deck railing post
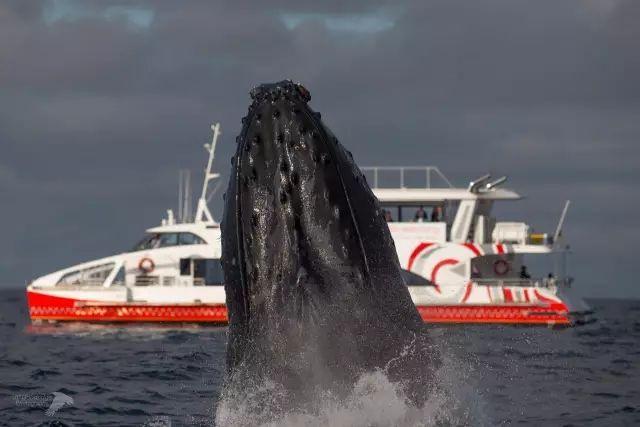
x=401 y=171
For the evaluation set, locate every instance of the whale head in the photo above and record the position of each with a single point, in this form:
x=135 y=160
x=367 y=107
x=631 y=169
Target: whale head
x=308 y=259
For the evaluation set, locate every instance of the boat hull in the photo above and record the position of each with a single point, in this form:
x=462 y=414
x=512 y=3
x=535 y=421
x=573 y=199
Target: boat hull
x=498 y=314
x=47 y=307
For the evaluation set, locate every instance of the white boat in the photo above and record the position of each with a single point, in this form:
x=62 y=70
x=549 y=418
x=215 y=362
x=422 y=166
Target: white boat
x=460 y=264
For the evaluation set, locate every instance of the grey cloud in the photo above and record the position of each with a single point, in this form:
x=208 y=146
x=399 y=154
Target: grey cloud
x=97 y=115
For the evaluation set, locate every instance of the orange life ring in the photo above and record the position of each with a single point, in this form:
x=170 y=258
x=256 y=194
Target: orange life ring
x=501 y=267
x=146 y=265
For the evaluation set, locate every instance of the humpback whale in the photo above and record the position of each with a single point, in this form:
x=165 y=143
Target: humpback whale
x=313 y=284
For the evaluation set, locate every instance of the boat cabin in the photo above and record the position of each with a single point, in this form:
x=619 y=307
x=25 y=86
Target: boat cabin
x=447 y=213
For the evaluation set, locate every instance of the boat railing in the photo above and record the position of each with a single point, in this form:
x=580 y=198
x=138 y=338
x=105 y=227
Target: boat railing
x=87 y=282
x=166 y=281
x=80 y=285
x=147 y=281
x=403 y=174
x=543 y=282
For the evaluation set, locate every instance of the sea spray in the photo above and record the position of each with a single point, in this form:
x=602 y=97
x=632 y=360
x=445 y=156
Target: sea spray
x=374 y=401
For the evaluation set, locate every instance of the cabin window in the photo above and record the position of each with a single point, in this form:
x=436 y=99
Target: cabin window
x=148 y=242
x=199 y=268
x=185 y=266
x=206 y=272
x=89 y=276
x=214 y=275
x=165 y=240
x=190 y=239
x=428 y=212
x=168 y=239
x=450 y=210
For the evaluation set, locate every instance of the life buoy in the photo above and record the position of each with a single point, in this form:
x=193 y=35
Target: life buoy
x=501 y=267
x=146 y=265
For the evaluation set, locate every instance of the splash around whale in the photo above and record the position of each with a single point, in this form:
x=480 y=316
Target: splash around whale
x=314 y=292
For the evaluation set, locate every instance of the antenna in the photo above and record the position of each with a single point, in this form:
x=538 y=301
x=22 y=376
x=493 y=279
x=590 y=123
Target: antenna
x=202 y=213
x=185 y=209
x=180 y=197
x=212 y=192
x=474 y=186
x=184 y=196
x=558 y=232
x=186 y=216
x=495 y=183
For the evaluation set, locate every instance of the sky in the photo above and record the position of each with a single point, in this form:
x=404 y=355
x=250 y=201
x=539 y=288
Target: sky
x=102 y=102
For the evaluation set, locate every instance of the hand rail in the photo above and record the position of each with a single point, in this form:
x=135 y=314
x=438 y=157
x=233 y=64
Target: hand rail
x=428 y=171
x=543 y=282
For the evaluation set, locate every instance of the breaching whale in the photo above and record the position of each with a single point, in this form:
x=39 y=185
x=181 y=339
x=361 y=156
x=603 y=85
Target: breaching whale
x=312 y=279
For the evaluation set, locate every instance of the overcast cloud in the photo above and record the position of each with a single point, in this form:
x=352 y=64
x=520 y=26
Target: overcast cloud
x=102 y=102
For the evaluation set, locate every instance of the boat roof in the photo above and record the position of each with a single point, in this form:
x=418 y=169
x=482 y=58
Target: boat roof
x=440 y=195
x=182 y=227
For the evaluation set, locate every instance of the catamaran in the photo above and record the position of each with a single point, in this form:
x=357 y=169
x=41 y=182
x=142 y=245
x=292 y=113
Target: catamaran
x=461 y=264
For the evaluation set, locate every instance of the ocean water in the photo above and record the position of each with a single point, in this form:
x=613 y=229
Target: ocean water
x=153 y=375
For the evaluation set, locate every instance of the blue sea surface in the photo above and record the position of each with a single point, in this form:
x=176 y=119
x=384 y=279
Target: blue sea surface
x=155 y=375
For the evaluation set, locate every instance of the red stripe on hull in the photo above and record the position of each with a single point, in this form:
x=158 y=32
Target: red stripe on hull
x=422 y=246
x=467 y=292
x=508 y=296
x=47 y=307
x=511 y=314
x=473 y=248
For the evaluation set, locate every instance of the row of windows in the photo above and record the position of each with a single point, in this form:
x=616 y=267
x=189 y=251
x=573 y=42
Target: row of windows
x=207 y=272
x=95 y=275
x=163 y=240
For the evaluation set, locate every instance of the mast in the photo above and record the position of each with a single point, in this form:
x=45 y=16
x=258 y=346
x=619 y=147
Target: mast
x=202 y=213
x=184 y=196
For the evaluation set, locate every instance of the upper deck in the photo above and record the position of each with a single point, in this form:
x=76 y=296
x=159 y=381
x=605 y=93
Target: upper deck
x=414 y=186
x=423 y=194
x=428 y=196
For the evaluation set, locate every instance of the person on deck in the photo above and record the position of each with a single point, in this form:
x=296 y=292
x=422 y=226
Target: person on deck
x=436 y=213
x=550 y=280
x=524 y=274
x=421 y=215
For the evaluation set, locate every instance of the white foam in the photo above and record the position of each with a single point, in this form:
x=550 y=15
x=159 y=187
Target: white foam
x=373 y=402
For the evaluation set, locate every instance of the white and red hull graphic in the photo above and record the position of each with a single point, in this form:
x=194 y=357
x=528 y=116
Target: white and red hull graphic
x=492 y=304
x=556 y=314
x=48 y=307
x=44 y=306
